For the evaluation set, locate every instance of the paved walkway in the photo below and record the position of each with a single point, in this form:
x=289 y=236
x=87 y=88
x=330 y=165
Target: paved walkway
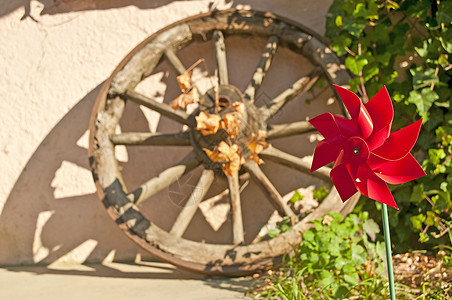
x=144 y=280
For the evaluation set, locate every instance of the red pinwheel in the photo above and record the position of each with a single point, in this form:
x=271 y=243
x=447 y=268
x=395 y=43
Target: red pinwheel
x=365 y=154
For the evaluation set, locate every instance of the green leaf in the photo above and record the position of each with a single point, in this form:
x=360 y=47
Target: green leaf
x=418 y=9
x=363 y=12
x=359 y=255
x=273 y=232
x=324 y=259
x=417 y=221
x=446 y=40
x=341 y=292
x=379 y=34
x=431 y=219
x=308 y=236
x=444 y=13
x=353 y=278
x=285 y=228
x=418 y=194
x=443 y=186
x=384 y=58
x=436 y=155
x=340 y=262
x=355 y=64
x=381 y=249
x=423 y=237
x=349 y=268
x=320 y=194
x=339 y=44
x=326 y=278
x=442 y=201
x=392 y=5
x=423 y=78
x=354 y=26
x=422 y=51
x=333 y=249
x=370 y=71
x=296 y=197
x=338 y=21
x=371 y=228
x=423 y=101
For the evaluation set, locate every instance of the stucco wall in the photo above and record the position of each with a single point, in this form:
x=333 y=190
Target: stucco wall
x=54 y=55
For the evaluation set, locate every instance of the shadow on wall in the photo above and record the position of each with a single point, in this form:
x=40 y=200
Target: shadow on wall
x=42 y=223
x=51 y=7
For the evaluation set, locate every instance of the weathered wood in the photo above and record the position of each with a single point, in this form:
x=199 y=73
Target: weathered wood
x=248 y=22
x=244 y=178
x=214 y=259
x=220 y=53
x=102 y=150
x=174 y=61
x=276 y=131
x=151 y=139
x=267 y=187
x=261 y=69
x=162 y=108
x=186 y=215
x=291 y=161
x=164 y=179
x=236 y=205
x=145 y=59
x=301 y=86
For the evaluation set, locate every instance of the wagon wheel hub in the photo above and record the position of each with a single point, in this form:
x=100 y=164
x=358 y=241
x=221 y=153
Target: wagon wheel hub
x=221 y=101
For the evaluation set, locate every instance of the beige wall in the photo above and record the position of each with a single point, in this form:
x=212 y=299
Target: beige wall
x=54 y=55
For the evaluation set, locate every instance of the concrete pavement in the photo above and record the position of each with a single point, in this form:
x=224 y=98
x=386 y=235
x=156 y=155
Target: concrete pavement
x=142 y=280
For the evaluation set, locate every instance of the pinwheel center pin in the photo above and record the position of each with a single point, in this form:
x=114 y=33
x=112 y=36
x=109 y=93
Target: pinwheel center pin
x=357 y=149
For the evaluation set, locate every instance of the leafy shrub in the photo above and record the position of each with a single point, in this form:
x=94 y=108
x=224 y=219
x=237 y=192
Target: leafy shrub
x=407 y=46
x=336 y=259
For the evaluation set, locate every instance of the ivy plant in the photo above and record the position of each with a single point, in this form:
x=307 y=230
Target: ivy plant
x=407 y=46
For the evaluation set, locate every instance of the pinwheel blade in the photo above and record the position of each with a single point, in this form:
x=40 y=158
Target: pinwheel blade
x=400 y=171
x=371 y=186
x=400 y=142
x=357 y=111
x=333 y=127
x=342 y=180
x=381 y=111
x=324 y=154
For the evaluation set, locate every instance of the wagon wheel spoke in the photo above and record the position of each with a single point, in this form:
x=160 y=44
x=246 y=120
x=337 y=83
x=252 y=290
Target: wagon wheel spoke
x=162 y=108
x=301 y=86
x=261 y=69
x=237 y=220
x=268 y=188
x=186 y=215
x=244 y=178
x=164 y=179
x=220 y=53
x=174 y=61
x=289 y=129
x=151 y=139
x=291 y=161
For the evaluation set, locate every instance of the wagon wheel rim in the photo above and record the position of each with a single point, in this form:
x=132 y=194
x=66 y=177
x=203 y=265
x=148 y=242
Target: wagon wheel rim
x=235 y=258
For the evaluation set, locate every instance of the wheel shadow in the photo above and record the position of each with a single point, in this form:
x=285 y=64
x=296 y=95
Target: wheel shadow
x=53 y=210
x=53 y=7
x=139 y=270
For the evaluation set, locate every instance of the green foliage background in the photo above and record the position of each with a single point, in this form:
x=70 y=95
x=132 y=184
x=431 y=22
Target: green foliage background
x=407 y=46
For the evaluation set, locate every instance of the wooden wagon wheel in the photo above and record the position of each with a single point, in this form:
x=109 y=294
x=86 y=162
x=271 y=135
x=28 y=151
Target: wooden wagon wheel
x=239 y=255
